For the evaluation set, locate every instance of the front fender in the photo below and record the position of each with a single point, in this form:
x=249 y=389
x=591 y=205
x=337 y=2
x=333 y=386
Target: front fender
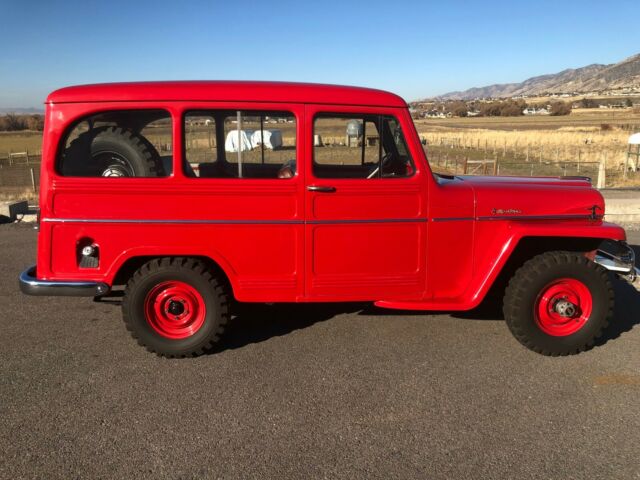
x=497 y=240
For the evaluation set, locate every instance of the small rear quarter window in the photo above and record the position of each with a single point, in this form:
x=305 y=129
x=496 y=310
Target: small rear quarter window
x=128 y=143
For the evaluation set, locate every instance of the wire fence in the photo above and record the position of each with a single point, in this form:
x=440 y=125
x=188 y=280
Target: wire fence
x=465 y=160
x=20 y=173
x=465 y=165
x=557 y=146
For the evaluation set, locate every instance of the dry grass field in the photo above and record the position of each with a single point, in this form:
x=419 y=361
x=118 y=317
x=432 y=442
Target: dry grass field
x=587 y=130
x=550 y=145
x=11 y=142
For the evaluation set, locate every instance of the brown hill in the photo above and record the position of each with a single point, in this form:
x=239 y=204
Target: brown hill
x=594 y=77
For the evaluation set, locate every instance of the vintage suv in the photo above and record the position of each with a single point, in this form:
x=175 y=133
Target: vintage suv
x=192 y=195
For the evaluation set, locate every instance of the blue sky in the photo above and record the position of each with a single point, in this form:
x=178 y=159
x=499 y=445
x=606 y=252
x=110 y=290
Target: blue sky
x=413 y=48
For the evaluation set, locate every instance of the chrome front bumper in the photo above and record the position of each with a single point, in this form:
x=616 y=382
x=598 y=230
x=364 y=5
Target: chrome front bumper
x=620 y=259
x=30 y=285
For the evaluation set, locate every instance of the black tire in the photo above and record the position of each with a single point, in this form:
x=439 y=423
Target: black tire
x=183 y=270
x=524 y=292
x=111 y=151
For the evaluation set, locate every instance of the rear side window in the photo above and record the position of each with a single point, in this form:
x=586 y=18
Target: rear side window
x=240 y=144
x=360 y=146
x=131 y=143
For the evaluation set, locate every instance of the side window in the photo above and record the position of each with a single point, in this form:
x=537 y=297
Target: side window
x=362 y=146
x=131 y=143
x=240 y=144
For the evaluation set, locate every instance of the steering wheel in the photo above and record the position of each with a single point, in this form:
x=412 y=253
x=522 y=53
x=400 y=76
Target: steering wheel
x=387 y=160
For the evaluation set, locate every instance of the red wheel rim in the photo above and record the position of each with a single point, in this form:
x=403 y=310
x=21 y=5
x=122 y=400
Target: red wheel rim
x=174 y=309
x=563 y=307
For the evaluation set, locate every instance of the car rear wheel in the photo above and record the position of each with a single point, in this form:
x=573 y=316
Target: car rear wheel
x=175 y=307
x=559 y=303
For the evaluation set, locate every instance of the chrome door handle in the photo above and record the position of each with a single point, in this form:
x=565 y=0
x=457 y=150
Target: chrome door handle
x=321 y=188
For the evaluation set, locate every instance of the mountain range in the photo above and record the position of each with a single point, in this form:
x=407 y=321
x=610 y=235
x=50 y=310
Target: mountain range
x=21 y=111
x=595 y=77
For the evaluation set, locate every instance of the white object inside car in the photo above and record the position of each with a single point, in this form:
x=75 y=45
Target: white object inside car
x=231 y=143
x=272 y=139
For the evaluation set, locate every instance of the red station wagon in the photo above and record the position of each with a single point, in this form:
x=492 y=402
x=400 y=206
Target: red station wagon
x=196 y=194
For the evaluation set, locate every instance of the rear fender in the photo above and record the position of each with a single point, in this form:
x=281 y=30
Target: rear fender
x=157 y=251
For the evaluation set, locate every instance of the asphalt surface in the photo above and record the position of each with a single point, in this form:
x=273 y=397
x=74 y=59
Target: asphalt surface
x=334 y=391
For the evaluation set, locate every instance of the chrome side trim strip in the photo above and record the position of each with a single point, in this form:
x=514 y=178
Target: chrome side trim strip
x=233 y=222
x=536 y=217
x=453 y=219
x=181 y=222
x=373 y=220
x=316 y=222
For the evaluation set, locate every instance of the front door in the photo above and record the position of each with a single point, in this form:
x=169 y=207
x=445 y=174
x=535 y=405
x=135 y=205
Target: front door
x=365 y=206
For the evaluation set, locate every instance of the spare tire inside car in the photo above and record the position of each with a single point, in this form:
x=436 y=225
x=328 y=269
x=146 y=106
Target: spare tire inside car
x=111 y=152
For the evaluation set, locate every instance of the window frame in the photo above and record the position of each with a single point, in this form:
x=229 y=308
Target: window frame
x=69 y=127
x=205 y=110
x=361 y=115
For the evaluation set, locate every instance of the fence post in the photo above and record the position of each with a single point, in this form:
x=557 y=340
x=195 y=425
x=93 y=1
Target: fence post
x=626 y=163
x=33 y=180
x=466 y=165
x=601 y=175
x=579 y=155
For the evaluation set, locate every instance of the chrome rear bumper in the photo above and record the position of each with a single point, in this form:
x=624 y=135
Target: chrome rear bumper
x=30 y=285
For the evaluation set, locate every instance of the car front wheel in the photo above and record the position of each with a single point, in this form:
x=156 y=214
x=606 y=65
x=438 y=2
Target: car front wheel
x=559 y=303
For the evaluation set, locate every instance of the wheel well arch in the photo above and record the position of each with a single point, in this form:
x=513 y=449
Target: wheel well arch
x=530 y=246
x=129 y=267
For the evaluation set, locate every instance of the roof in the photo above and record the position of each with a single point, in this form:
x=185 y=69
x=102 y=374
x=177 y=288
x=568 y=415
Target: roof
x=226 y=91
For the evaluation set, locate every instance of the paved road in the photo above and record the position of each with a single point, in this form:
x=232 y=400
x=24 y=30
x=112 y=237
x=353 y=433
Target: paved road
x=308 y=392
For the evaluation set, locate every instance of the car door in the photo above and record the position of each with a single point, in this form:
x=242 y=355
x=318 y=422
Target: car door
x=241 y=175
x=365 y=206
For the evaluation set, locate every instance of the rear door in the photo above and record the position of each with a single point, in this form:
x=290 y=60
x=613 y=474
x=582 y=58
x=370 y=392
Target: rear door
x=241 y=170
x=365 y=206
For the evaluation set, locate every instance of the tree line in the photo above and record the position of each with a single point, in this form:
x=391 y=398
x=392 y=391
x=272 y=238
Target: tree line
x=501 y=108
x=12 y=122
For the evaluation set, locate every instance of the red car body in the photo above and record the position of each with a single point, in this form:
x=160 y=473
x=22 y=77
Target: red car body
x=283 y=243
x=423 y=241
